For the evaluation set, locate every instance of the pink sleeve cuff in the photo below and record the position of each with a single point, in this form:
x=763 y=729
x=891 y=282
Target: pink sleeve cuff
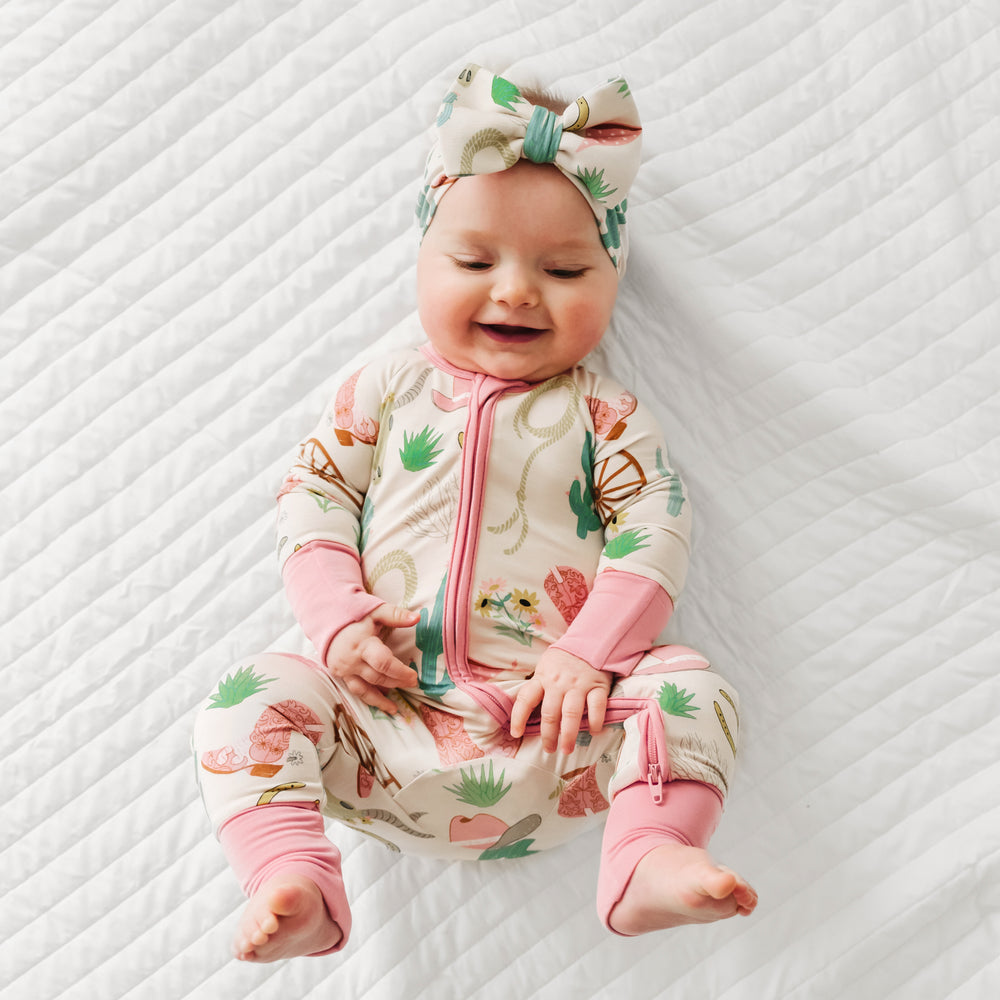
x=326 y=591
x=620 y=621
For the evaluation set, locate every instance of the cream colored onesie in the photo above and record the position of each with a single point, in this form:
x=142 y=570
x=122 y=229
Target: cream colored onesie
x=515 y=516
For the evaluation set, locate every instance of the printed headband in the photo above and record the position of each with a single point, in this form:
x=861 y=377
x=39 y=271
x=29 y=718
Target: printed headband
x=485 y=126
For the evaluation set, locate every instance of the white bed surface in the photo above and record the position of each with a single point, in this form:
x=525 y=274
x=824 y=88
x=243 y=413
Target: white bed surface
x=206 y=213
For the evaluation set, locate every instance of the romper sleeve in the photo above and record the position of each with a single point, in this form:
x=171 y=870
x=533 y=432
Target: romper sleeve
x=322 y=496
x=646 y=517
x=321 y=510
x=639 y=497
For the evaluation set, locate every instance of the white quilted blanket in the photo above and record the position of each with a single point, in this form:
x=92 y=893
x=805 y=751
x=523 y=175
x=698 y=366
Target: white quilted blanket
x=206 y=213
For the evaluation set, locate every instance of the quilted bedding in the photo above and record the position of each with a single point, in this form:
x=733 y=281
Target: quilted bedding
x=206 y=214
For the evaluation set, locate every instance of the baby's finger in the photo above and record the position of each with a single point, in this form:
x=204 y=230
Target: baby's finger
x=524 y=704
x=389 y=616
x=597 y=707
x=384 y=670
x=552 y=717
x=572 y=716
x=371 y=695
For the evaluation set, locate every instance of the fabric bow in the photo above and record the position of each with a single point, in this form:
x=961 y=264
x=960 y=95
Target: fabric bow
x=486 y=125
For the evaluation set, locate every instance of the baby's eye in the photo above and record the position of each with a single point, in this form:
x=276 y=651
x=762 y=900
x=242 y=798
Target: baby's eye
x=471 y=265
x=567 y=273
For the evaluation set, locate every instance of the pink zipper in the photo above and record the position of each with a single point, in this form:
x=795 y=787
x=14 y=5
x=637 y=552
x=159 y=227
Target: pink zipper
x=475 y=452
x=485 y=393
x=653 y=757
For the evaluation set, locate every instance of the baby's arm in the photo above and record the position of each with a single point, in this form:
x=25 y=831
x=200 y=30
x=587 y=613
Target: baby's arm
x=577 y=670
x=647 y=533
x=347 y=625
x=320 y=521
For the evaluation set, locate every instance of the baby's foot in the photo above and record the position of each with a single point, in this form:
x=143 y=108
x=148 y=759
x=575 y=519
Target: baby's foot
x=674 y=884
x=285 y=917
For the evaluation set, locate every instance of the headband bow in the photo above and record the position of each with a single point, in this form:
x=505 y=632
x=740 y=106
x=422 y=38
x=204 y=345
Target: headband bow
x=485 y=126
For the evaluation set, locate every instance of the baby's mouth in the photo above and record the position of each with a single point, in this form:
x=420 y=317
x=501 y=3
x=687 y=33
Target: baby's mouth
x=510 y=334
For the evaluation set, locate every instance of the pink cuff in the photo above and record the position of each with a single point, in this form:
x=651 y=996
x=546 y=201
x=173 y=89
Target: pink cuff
x=264 y=841
x=688 y=814
x=637 y=608
x=326 y=591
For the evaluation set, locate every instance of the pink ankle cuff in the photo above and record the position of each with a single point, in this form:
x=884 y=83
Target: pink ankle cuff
x=689 y=813
x=265 y=840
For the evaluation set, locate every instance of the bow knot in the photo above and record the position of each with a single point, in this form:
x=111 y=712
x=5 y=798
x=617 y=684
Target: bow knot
x=486 y=125
x=541 y=137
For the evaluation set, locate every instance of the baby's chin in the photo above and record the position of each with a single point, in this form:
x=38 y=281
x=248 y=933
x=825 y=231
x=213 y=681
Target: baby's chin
x=510 y=353
x=513 y=372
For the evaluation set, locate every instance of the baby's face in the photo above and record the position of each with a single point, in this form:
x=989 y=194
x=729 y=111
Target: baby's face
x=512 y=278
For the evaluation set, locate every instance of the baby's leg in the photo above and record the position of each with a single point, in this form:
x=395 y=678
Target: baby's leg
x=291 y=873
x=261 y=742
x=666 y=798
x=655 y=871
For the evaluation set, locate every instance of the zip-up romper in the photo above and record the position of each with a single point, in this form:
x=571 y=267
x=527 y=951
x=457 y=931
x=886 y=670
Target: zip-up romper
x=492 y=507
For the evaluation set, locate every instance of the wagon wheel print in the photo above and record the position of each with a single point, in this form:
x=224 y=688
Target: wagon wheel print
x=314 y=458
x=361 y=747
x=616 y=479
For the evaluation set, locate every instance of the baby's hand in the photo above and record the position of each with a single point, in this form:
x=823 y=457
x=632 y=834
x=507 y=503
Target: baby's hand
x=359 y=657
x=564 y=685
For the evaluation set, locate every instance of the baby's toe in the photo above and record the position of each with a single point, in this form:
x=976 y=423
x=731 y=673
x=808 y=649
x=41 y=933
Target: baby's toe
x=719 y=883
x=746 y=897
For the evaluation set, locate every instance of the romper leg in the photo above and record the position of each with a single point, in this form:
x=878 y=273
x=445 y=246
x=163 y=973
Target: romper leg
x=261 y=740
x=682 y=722
x=675 y=765
x=264 y=735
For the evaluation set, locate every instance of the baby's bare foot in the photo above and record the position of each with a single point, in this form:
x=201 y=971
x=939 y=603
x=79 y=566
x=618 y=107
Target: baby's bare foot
x=675 y=884
x=284 y=918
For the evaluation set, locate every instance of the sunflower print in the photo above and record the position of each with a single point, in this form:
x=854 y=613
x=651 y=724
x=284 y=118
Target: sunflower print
x=514 y=611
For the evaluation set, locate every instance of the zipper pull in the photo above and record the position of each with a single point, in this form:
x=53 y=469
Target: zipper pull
x=655 y=774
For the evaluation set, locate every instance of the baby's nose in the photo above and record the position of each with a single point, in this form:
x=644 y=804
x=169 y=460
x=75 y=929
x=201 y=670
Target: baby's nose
x=515 y=286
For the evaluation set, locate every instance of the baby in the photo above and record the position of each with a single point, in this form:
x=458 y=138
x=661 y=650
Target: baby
x=525 y=508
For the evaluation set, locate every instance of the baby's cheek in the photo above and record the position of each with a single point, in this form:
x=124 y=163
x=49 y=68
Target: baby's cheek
x=590 y=321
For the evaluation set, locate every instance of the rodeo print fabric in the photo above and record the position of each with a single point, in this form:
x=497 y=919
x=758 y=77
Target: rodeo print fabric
x=492 y=507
